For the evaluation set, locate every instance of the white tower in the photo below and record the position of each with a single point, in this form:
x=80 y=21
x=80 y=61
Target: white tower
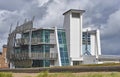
x=73 y=28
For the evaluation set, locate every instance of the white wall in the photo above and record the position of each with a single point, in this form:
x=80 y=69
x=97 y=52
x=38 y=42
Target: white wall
x=58 y=61
x=75 y=37
x=73 y=28
x=95 y=43
x=89 y=60
x=92 y=44
x=98 y=42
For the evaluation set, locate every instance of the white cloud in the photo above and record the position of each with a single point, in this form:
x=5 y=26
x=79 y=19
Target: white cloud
x=42 y=2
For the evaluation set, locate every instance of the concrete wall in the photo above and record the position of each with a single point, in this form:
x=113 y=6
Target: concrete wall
x=89 y=60
x=75 y=38
x=95 y=43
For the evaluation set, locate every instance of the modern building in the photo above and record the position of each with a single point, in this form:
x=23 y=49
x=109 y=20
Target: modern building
x=3 y=60
x=46 y=47
x=39 y=48
x=80 y=42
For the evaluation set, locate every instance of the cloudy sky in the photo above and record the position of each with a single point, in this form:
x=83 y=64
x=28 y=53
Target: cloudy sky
x=102 y=14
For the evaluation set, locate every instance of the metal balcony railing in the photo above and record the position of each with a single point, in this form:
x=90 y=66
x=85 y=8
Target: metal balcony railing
x=35 y=55
x=19 y=56
x=33 y=41
x=42 y=55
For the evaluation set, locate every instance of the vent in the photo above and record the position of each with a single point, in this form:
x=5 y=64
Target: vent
x=76 y=15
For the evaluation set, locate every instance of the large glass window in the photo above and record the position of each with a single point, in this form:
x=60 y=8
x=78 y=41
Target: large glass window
x=45 y=36
x=47 y=48
x=86 y=49
x=63 y=48
x=40 y=48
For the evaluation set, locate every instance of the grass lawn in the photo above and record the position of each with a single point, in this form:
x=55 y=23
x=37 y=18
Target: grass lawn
x=105 y=64
x=46 y=74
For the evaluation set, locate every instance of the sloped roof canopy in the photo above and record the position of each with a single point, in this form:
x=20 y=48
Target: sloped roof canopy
x=75 y=11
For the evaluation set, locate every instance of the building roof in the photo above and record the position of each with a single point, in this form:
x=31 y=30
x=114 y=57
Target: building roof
x=4 y=46
x=109 y=57
x=0 y=53
x=74 y=10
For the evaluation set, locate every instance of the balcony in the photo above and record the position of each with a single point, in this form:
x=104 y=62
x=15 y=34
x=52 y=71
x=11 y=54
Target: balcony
x=34 y=41
x=20 y=56
x=41 y=55
x=34 y=55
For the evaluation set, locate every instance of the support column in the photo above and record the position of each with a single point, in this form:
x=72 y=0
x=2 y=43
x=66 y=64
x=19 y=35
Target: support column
x=57 y=41
x=30 y=40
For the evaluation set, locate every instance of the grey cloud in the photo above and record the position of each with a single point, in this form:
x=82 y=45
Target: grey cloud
x=110 y=34
x=17 y=10
x=99 y=13
x=35 y=10
x=99 y=10
x=12 y=5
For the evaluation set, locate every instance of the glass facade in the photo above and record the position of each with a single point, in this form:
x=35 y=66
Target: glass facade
x=63 y=48
x=44 y=47
x=22 y=49
x=86 y=47
x=44 y=37
x=40 y=48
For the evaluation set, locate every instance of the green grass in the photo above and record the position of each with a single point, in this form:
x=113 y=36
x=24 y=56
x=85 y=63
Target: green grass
x=102 y=75
x=46 y=74
x=3 y=74
x=84 y=65
x=86 y=74
x=105 y=64
x=95 y=74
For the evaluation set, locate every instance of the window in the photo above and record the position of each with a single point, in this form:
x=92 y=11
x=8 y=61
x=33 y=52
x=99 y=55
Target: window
x=75 y=15
x=63 y=48
x=86 y=38
x=47 y=48
x=76 y=63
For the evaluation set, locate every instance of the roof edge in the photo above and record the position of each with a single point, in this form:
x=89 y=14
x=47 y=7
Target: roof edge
x=74 y=10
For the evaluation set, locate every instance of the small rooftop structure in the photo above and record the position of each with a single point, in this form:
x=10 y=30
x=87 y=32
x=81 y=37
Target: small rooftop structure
x=4 y=46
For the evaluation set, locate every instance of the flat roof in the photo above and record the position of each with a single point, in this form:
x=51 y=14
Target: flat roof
x=74 y=10
x=4 y=46
x=109 y=57
x=42 y=28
